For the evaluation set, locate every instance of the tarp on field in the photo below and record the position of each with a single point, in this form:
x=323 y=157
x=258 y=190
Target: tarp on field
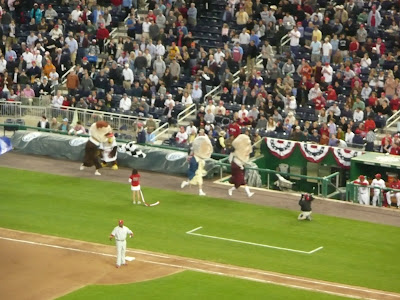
x=72 y=148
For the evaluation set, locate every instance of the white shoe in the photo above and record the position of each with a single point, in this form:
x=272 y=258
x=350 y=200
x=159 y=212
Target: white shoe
x=249 y=195
x=183 y=184
x=139 y=202
x=230 y=192
x=133 y=202
x=201 y=193
x=97 y=173
x=82 y=167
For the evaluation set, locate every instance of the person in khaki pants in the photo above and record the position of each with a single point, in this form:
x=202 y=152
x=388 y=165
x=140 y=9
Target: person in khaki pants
x=128 y=77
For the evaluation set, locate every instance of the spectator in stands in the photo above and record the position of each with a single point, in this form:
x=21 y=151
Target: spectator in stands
x=72 y=83
x=125 y=103
x=141 y=134
x=43 y=123
x=181 y=137
x=64 y=126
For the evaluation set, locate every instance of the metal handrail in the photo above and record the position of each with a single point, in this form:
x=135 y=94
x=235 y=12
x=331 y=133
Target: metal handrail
x=393 y=119
x=284 y=40
x=320 y=180
x=186 y=112
x=161 y=130
x=217 y=89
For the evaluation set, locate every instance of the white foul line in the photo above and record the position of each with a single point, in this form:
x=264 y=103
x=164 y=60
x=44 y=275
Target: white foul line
x=192 y=232
x=225 y=274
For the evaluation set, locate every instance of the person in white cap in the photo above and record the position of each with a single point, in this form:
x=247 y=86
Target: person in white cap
x=363 y=191
x=378 y=182
x=128 y=77
x=120 y=233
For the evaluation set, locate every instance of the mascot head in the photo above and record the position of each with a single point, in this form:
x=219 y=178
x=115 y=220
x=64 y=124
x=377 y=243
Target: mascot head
x=100 y=131
x=242 y=146
x=202 y=147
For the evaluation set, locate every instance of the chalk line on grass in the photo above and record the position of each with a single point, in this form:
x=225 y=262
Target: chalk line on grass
x=192 y=232
x=291 y=285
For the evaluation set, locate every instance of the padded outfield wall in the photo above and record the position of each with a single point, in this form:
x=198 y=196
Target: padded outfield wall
x=72 y=148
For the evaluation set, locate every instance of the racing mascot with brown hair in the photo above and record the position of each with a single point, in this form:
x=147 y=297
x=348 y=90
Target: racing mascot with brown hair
x=99 y=133
x=238 y=158
x=109 y=152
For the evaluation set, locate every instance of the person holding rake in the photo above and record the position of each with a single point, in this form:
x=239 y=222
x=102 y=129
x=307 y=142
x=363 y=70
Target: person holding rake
x=134 y=179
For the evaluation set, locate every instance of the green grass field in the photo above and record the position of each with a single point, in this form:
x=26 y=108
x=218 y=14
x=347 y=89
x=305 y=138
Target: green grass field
x=357 y=253
x=193 y=285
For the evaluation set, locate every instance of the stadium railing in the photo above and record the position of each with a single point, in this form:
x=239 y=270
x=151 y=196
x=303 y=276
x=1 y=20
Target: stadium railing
x=324 y=184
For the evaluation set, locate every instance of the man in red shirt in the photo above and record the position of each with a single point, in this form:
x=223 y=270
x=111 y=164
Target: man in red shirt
x=369 y=124
x=331 y=94
x=354 y=45
x=394 y=103
x=395 y=184
x=101 y=35
x=394 y=150
x=234 y=129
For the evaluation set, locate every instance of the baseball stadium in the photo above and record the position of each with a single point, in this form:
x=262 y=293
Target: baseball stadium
x=199 y=149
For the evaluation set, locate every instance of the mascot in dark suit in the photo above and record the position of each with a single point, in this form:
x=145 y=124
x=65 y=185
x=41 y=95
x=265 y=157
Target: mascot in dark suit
x=99 y=133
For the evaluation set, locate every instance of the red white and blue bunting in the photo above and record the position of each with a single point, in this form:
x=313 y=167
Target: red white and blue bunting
x=312 y=152
x=343 y=156
x=280 y=148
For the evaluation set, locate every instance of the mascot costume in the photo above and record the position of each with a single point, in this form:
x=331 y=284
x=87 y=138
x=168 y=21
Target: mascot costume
x=109 y=152
x=99 y=133
x=202 y=149
x=238 y=158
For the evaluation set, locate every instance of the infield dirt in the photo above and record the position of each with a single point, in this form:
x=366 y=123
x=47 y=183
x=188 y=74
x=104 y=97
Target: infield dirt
x=44 y=267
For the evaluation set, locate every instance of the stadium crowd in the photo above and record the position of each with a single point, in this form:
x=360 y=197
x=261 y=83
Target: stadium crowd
x=335 y=83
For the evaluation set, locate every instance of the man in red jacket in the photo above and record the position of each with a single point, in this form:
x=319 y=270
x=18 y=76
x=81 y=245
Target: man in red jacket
x=369 y=124
x=234 y=128
x=101 y=35
x=331 y=95
x=380 y=47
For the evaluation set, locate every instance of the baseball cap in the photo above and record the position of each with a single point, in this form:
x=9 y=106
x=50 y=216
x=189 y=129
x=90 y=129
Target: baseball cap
x=362 y=177
x=378 y=175
x=65 y=120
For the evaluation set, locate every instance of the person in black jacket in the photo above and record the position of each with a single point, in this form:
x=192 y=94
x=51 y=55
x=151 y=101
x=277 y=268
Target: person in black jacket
x=305 y=205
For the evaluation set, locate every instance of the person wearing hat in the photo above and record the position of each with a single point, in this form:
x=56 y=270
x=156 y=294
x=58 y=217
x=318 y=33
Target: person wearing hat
x=380 y=183
x=120 y=234
x=50 y=13
x=363 y=190
x=36 y=13
x=395 y=184
x=64 y=126
x=362 y=34
x=341 y=14
x=374 y=19
x=305 y=205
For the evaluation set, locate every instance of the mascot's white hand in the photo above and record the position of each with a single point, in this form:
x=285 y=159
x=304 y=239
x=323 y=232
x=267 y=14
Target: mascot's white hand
x=241 y=168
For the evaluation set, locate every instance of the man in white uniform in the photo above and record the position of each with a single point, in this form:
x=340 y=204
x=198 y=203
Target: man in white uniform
x=378 y=182
x=363 y=191
x=120 y=232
